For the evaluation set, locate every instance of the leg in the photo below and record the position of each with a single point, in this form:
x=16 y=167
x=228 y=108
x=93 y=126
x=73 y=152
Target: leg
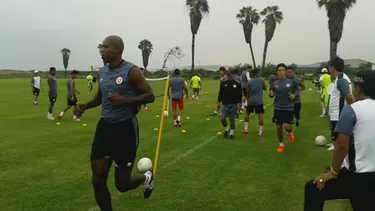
x=363 y=192
x=125 y=149
x=246 y=120
x=100 y=170
x=322 y=106
x=224 y=113
x=180 y=104
x=232 y=116
x=174 y=107
x=334 y=135
x=334 y=189
x=260 y=111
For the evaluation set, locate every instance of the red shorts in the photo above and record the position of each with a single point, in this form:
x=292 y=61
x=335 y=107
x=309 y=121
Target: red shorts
x=180 y=104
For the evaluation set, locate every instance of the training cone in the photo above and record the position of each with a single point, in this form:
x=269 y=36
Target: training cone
x=157 y=116
x=84 y=125
x=208 y=118
x=184 y=131
x=241 y=120
x=156 y=129
x=187 y=117
x=219 y=133
x=57 y=123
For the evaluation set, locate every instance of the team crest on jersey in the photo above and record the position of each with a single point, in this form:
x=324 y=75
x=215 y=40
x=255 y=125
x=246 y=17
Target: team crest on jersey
x=118 y=80
x=101 y=80
x=288 y=85
x=234 y=85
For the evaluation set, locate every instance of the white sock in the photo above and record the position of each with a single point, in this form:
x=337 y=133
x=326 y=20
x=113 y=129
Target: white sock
x=246 y=103
x=192 y=96
x=197 y=98
x=231 y=132
x=226 y=129
x=324 y=111
x=281 y=144
x=74 y=117
x=148 y=178
x=62 y=113
x=215 y=112
x=261 y=129
x=179 y=118
x=246 y=125
x=243 y=106
x=175 y=122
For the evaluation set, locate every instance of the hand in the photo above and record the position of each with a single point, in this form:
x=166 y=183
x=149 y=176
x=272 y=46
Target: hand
x=272 y=93
x=321 y=180
x=78 y=92
x=72 y=98
x=291 y=96
x=116 y=99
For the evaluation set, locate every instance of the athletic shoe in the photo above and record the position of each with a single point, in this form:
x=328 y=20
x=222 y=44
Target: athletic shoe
x=281 y=149
x=231 y=137
x=148 y=185
x=59 y=117
x=297 y=123
x=244 y=131
x=328 y=145
x=214 y=114
x=291 y=137
x=148 y=109
x=226 y=134
x=322 y=116
x=261 y=133
x=331 y=148
x=51 y=118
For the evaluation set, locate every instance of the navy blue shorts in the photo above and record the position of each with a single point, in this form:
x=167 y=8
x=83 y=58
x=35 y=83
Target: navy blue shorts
x=229 y=110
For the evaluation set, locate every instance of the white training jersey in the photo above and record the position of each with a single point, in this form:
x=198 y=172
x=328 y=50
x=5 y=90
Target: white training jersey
x=336 y=96
x=36 y=82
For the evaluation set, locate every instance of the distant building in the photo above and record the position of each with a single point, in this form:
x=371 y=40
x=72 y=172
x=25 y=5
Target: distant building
x=373 y=67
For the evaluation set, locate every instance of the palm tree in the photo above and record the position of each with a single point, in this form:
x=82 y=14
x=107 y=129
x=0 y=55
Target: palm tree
x=248 y=18
x=272 y=16
x=336 y=12
x=146 y=47
x=198 y=8
x=65 y=56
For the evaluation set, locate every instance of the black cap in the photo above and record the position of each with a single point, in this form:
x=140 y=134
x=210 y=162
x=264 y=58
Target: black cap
x=75 y=72
x=365 y=77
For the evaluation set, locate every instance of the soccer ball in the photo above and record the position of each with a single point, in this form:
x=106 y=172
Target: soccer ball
x=166 y=113
x=320 y=140
x=144 y=164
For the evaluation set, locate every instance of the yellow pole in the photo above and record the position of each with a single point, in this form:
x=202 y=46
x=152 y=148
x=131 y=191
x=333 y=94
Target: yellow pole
x=161 y=126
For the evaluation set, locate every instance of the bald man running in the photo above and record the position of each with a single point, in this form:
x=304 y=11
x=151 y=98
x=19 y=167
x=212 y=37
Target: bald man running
x=122 y=91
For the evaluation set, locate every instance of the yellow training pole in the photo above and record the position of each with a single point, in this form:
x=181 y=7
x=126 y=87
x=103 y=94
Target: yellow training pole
x=161 y=125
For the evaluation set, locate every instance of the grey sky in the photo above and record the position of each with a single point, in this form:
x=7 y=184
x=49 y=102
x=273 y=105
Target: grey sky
x=33 y=32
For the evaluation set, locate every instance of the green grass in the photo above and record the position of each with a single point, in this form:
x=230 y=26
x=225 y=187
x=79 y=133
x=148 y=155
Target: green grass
x=45 y=166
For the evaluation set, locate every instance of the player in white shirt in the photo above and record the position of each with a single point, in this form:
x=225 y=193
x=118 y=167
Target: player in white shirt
x=35 y=84
x=355 y=180
x=340 y=94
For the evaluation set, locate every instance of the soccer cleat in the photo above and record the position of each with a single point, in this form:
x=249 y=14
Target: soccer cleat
x=148 y=109
x=260 y=133
x=322 y=116
x=148 y=185
x=244 y=131
x=226 y=134
x=51 y=118
x=331 y=148
x=59 y=117
x=281 y=149
x=297 y=123
x=231 y=137
x=291 y=137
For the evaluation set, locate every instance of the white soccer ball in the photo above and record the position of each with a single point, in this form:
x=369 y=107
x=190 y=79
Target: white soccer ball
x=166 y=113
x=144 y=164
x=320 y=140
x=310 y=89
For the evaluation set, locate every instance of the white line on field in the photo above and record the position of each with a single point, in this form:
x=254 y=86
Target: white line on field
x=178 y=158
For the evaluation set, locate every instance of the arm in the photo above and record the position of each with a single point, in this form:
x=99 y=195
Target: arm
x=343 y=87
x=220 y=96
x=49 y=83
x=169 y=89
x=94 y=102
x=345 y=127
x=271 y=93
x=138 y=80
x=200 y=83
x=239 y=94
x=248 y=76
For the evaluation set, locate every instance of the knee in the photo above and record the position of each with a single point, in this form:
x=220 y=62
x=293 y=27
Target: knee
x=98 y=181
x=287 y=126
x=222 y=118
x=123 y=186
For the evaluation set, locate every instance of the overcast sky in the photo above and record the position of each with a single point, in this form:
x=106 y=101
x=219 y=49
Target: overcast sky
x=33 y=32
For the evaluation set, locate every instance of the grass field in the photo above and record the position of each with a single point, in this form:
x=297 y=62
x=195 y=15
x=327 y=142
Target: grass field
x=44 y=166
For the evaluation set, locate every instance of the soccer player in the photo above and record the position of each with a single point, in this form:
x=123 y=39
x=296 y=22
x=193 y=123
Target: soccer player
x=90 y=84
x=196 y=85
x=52 y=91
x=356 y=149
x=72 y=97
x=324 y=81
x=284 y=90
x=297 y=100
x=230 y=95
x=122 y=91
x=223 y=77
x=145 y=105
x=340 y=94
x=35 y=84
x=178 y=86
x=254 y=91
x=245 y=77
